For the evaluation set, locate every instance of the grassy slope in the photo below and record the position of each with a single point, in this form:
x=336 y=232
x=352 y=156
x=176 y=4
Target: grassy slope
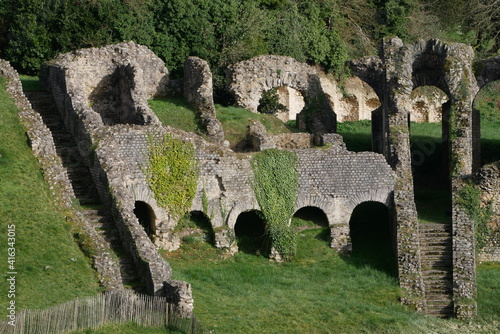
x=51 y=268
x=176 y=112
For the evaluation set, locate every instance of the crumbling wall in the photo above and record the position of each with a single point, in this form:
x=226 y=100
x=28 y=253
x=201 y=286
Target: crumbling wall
x=400 y=69
x=488 y=180
x=72 y=78
x=56 y=175
x=247 y=80
x=198 y=91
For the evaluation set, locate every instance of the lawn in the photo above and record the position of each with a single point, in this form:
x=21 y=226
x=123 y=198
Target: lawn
x=319 y=291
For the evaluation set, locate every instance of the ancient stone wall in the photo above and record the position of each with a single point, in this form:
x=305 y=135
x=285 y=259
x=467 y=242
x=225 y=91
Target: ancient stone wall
x=488 y=180
x=198 y=91
x=399 y=70
x=73 y=78
x=330 y=178
x=247 y=80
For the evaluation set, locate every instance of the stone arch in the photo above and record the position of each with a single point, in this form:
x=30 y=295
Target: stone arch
x=314 y=214
x=293 y=100
x=250 y=78
x=146 y=217
x=373 y=236
x=250 y=232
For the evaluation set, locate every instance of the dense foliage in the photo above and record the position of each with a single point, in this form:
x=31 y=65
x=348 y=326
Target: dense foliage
x=275 y=186
x=324 y=32
x=172 y=173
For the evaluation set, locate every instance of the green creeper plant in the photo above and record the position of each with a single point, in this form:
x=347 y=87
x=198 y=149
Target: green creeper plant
x=275 y=186
x=172 y=173
x=469 y=200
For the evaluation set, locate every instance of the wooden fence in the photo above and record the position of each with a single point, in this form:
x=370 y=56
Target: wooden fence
x=93 y=312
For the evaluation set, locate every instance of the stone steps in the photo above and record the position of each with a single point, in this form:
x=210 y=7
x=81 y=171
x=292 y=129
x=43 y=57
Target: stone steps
x=84 y=187
x=437 y=268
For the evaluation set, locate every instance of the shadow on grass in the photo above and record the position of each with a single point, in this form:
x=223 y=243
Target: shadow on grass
x=371 y=233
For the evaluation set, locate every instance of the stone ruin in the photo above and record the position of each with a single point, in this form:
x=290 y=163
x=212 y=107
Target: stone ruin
x=102 y=94
x=351 y=100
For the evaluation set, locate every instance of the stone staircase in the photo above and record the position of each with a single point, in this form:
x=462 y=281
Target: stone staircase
x=437 y=268
x=84 y=186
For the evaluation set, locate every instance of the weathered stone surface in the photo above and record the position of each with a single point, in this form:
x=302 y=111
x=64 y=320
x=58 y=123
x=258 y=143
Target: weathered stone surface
x=488 y=180
x=247 y=80
x=394 y=75
x=55 y=174
x=198 y=91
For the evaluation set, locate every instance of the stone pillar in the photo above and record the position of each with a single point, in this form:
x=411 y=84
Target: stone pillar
x=396 y=109
x=463 y=88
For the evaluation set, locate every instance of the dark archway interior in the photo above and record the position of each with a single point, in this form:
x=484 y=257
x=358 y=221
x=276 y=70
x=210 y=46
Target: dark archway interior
x=145 y=215
x=250 y=231
x=309 y=218
x=373 y=238
x=199 y=221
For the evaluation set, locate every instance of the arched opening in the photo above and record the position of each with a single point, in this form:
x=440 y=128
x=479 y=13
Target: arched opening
x=359 y=116
x=195 y=226
x=487 y=104
x=250 y=232
x=284 y=102
x=429 y=141
x=293 y=100
x=311 y=218
x=373 y=237
x=146 y=217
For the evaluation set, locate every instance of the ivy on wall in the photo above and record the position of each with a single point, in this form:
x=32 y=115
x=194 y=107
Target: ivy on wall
x=275 y=186
x=172 y=173
x=469 y=200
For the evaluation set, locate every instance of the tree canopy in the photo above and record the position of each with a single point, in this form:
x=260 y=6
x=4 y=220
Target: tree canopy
x=323 y=32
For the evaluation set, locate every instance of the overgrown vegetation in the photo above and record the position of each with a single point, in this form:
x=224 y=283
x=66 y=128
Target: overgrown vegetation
x=172 y=173
x=275 y=186
x=51 y=268
x=269 y=102
x=468 y=198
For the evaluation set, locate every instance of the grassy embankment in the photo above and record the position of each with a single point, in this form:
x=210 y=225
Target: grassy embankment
x=50 y=267
x=319 y=291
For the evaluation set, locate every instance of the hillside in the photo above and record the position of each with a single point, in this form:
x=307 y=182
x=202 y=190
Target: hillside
x=50 y=267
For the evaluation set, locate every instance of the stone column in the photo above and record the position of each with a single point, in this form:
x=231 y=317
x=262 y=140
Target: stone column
x=397 y=59
x=463 y=88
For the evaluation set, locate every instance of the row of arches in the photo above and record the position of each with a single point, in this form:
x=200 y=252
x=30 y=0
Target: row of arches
x=371 y=231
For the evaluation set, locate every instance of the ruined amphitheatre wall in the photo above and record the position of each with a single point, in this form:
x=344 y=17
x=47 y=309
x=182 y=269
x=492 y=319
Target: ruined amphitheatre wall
x=351 y=100
x=332 y=179
x=43 y=147
x=72 y=78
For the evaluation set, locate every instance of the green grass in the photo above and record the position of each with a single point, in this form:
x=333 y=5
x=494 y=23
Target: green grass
x=30 y=83
x=235 y=122
x=319 y=291
x=176 y=112
x=126 y=328
x=357 y=135
x=50 y=267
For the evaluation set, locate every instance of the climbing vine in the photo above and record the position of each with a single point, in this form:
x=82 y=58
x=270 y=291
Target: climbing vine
x=172 y=173
x=275 y=186
x=469 y=200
